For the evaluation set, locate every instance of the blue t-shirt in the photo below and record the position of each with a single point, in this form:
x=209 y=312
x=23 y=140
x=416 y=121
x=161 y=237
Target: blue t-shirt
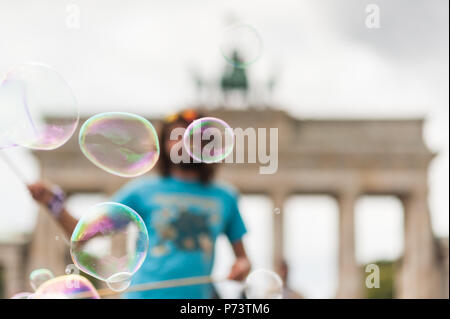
x=183 y=220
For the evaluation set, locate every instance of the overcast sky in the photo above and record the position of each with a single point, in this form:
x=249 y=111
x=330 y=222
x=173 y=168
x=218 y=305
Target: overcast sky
x=136 y=56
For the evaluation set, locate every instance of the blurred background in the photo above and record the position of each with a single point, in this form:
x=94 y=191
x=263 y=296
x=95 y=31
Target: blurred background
x=361 y=105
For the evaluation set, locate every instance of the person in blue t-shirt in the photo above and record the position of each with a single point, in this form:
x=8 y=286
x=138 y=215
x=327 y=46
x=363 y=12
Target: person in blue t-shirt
x=184 y=212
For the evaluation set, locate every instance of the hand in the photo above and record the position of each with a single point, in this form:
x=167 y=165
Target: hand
x=240 y=269
x=41 y=193
x=53 y=198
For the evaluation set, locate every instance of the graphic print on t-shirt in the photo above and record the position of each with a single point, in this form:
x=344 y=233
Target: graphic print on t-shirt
x=186 y=222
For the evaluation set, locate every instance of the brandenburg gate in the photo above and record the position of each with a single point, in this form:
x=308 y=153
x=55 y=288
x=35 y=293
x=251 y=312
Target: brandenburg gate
x=341 y=158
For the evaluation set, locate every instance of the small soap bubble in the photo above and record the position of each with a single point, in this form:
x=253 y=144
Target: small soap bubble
x=263 y=284
x=208 y=140
x=241 y=45
x=39 y=276
x=119 y=282
x=71 y=269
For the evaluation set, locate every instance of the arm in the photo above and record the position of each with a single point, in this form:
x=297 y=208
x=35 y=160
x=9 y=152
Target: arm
x=241 y=266
x=67 y=221
x=44 y=195
x=235 y=230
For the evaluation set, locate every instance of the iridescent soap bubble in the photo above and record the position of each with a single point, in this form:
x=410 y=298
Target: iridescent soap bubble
x=110 y=240
x=67 y=287
x=241 y=45
x=123 y=144
x=39 y=276
x=263 y=284
x=22 y=295
x=208 y=140
x=71 y=269
x=38 y=109
x=119 y=281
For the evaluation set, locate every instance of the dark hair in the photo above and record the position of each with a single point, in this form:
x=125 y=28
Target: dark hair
x=205 y=171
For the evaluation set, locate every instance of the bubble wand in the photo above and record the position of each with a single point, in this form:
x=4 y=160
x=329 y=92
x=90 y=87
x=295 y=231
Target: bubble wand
x=56 y=204
x=13 y=168
x=156 y=285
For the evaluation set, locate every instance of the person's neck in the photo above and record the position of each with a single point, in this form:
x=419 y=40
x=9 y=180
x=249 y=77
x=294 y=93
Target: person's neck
x=186 y=175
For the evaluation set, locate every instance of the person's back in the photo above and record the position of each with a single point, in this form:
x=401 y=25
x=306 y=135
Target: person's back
x=183 y=219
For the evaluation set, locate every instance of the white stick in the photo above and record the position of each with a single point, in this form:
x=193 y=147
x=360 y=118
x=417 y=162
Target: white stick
x=156 y=285
x=13 y=168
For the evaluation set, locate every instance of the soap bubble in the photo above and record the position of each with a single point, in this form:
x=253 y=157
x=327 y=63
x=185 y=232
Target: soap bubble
x=71 y=269
x=109 y=240
x=38 y=109
x=58 y=288
x=263 y=284
x=123 y=144
x=22 y=295
x=241 y=45
x=39 y=276
x=208 y=140
x=119 y=282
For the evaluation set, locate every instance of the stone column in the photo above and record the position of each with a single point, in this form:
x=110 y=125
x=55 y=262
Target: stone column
x=278 y=199
x=48 y=247
x=13 y=269
x=419 y=277
x=445 y=272
x=350 y=278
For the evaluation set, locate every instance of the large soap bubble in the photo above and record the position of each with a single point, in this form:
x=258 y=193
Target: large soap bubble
x=263 y=284
x=38 y=109
x=209 y=140
x=66 y=287
x=39 y=276
x=123 y=144
x=110 y=242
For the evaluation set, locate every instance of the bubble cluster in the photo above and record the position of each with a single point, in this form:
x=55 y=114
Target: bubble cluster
x=241 y=45
x=110 y=242
x=39 y=276
x=123 y=144
x=67 y=287
x=208 y=140
x=263 y=284
x=38 y=109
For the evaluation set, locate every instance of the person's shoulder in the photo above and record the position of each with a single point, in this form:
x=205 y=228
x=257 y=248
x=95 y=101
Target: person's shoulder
x=145 y=182
x=225 y=189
